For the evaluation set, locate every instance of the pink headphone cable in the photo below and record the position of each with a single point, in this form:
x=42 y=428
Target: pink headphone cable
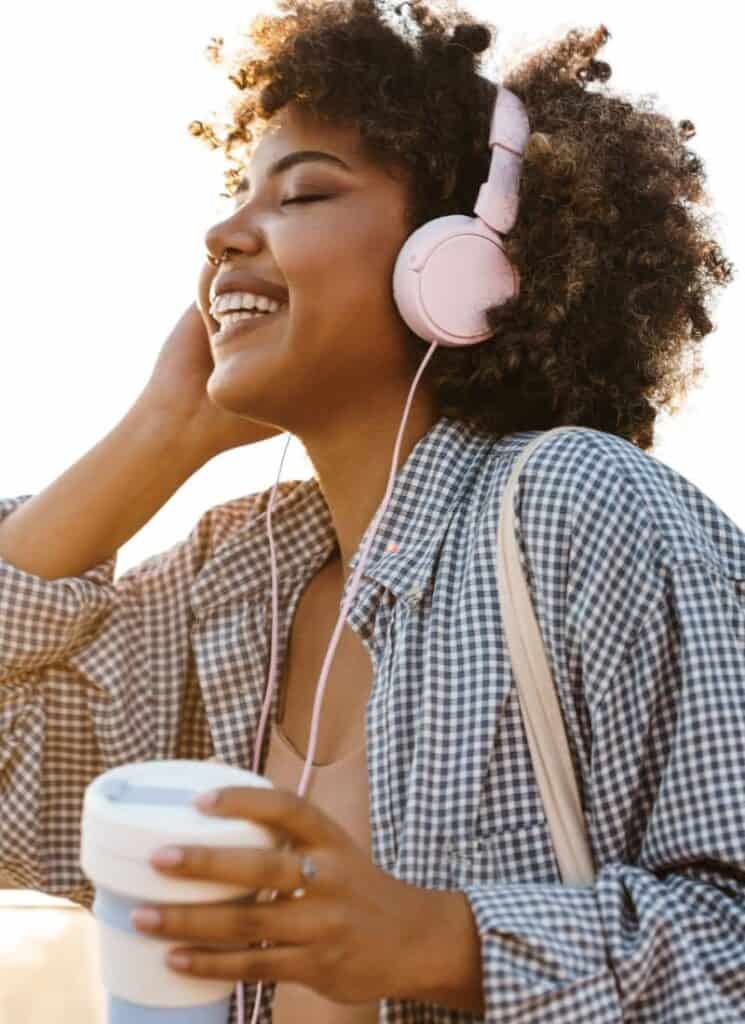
x=304 y=781
x=446 y=273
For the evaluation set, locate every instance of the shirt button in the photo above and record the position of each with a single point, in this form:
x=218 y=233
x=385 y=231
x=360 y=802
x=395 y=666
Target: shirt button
x=415 y=595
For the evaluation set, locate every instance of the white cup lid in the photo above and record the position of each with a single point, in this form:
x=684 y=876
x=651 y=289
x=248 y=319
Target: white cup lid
x=134 y=808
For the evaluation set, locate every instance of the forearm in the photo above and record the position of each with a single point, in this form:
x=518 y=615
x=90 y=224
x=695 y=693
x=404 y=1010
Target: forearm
x=91 y=510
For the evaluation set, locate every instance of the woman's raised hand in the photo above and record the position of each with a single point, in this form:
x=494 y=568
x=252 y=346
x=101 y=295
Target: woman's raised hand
x=177 y=388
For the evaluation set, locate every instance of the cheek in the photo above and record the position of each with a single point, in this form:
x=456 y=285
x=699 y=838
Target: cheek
x=319 y=247
x=340 y=267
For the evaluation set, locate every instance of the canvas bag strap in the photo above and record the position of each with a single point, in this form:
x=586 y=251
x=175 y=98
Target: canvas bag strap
x=541 y=713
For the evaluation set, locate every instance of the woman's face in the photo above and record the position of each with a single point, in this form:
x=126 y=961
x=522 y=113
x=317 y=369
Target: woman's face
x=339 y=341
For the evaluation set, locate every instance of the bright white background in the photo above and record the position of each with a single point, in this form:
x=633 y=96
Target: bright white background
x=106 y=198
x=104 y=203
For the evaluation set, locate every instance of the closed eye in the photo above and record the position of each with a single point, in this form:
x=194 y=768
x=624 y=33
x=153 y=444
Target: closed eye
x=303 y=199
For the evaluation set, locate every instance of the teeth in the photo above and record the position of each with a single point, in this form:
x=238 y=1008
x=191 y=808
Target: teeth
x=226 y=319
x=242 y=300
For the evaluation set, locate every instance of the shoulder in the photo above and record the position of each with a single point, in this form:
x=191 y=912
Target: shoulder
x=221 y=526
x=585 y=486
x=601 y=527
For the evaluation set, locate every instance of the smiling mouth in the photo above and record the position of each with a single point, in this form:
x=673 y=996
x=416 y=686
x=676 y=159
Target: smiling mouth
x=247 y=323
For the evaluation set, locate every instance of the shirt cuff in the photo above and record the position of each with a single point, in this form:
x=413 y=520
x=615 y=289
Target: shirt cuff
x=543 y=954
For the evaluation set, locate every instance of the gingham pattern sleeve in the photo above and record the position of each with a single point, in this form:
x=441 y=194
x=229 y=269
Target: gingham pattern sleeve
x=43 y=620
x=658 y=725
x=96 y=677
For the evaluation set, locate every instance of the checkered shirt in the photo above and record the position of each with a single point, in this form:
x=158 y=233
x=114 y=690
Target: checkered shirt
x=638 y=583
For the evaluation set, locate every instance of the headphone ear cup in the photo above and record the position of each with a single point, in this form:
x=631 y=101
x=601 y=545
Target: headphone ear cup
x=448 y=272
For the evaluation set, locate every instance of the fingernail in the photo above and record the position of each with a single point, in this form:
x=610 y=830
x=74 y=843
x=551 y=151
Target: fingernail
x=206 y=800
x=168 y=856
x=146 y=917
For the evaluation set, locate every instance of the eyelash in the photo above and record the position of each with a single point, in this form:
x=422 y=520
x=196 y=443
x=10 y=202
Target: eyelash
x=303 y=199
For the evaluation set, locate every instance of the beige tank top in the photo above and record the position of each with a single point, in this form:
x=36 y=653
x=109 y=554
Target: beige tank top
x=341 y=790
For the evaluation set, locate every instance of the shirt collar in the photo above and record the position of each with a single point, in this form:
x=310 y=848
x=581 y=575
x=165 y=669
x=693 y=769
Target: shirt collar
x=425 y=494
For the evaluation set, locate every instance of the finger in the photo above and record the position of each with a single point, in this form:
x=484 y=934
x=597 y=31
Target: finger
x=279 y=963
x=253 y=867
x=206 y=277
x=277 y=808
x=236 y=923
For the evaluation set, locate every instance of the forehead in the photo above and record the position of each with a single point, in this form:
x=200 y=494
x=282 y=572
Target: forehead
x=292 y=129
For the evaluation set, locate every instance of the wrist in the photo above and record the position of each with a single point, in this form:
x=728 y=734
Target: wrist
x=444 y=966
x=179 y=437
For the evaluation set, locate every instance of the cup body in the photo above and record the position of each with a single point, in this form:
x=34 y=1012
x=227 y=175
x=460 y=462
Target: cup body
x=128 y=813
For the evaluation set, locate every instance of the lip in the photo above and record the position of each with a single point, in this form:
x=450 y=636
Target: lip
x=241 y=326
x=240 y=281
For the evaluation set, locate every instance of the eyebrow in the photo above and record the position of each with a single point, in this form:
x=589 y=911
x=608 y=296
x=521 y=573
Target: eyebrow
x=300 y=156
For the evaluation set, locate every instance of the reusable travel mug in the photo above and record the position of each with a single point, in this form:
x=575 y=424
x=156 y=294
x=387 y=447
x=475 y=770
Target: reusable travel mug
x=128 y=813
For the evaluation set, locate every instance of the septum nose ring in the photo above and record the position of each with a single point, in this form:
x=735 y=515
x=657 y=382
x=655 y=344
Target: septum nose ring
x=214 y=260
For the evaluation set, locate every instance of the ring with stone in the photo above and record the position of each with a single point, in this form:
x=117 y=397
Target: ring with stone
x=308 y=871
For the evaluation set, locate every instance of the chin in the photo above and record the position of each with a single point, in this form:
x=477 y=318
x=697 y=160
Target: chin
x=243 y=394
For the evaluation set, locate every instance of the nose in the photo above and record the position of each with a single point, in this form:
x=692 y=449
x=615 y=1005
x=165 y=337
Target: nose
x=233 y=235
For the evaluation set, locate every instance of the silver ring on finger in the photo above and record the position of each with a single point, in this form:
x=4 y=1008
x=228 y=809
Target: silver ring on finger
x=308 y=871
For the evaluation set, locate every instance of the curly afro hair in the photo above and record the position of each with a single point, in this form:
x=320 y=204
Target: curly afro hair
x=612 y=243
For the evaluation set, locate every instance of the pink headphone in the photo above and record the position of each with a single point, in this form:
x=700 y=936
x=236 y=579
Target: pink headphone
x=446 y=274
x=450 y=269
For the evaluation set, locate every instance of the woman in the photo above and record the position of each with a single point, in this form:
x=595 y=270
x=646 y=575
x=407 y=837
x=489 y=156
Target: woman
x=437 y=895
